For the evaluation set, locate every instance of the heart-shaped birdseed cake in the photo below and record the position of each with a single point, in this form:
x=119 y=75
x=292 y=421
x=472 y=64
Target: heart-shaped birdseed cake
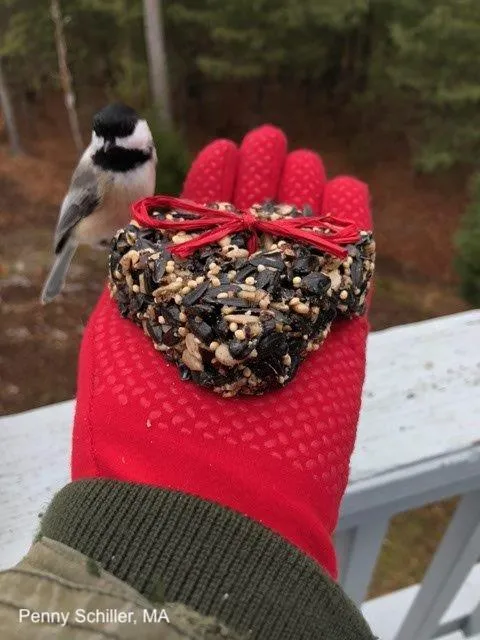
x=236 y=318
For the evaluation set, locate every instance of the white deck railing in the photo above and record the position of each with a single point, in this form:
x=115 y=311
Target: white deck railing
x=418 y=441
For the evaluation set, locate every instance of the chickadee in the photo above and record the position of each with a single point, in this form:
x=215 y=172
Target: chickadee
x=117 y=168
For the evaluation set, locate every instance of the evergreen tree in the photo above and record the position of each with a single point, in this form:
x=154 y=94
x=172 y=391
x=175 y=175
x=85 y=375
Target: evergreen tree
x=434 y=46
x=468 y=245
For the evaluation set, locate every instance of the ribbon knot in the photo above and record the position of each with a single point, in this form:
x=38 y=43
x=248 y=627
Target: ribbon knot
x=249 y=220
x=326 y=233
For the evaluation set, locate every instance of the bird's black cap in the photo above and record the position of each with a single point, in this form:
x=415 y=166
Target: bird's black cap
x=115 y=121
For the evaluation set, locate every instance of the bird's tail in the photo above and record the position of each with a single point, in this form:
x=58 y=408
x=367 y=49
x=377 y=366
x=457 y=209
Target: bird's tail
x=58 y=272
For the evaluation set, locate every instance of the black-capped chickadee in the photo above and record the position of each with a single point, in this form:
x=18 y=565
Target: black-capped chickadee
x=117 y=168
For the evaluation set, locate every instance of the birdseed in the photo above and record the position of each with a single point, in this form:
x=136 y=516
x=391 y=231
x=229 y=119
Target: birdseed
x=234 y=322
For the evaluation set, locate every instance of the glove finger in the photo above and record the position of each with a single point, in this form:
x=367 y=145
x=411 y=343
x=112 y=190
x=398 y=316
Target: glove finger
x=262 y=155
x=212 y=174
x=347 y=197
x=303 y=180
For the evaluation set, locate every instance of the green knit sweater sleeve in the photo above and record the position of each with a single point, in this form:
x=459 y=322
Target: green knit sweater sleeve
x=230 y=574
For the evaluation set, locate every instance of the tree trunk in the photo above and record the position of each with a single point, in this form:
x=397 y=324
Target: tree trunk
x=65 y=76
x=8 y=114
x=157 y=60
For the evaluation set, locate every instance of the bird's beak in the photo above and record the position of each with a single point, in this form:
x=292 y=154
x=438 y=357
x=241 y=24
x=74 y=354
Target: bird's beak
x=108 y=144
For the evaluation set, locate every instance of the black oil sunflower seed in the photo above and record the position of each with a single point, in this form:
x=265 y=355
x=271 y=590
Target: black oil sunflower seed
x=159 y=267
x=201 y=329
x=171 y=314
x=240 y=349
x=356 y=271
x=193 y=296
x=155 y=331
x=274 y=261
x=268 y=280
x=204 y=311
x=304 y=265
x=317 y=283
x=170 y=337
x=245 y=271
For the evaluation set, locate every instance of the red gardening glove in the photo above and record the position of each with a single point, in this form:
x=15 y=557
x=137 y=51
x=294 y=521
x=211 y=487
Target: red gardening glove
x=281 y=458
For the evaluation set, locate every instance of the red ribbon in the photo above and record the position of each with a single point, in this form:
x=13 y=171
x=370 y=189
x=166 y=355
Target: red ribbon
x=216 y=224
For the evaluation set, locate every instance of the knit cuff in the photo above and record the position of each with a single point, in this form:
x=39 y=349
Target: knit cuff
x=180 y=548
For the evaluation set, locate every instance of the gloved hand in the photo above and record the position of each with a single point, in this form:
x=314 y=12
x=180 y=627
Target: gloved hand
x=281 y=459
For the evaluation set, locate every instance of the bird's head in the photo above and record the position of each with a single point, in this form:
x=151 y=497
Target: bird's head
x=121 y=140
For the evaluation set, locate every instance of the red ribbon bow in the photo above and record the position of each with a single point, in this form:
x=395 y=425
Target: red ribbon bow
x=333 y=233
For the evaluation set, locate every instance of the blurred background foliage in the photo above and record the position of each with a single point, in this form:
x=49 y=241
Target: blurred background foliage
x=413 y=65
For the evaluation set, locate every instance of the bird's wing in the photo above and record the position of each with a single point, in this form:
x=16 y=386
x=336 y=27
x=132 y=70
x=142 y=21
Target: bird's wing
x=82 y=199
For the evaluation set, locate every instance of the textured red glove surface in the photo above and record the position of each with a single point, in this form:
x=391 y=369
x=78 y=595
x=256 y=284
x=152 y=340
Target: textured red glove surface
x=282 y=458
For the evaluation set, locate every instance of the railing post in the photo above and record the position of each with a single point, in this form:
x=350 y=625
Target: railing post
x=455 y=556
x=357 y=550
x=473 y=624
